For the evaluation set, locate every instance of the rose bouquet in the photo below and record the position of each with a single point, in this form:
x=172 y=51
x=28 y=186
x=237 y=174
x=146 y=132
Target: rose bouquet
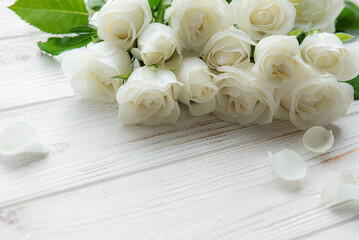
x=245 y=61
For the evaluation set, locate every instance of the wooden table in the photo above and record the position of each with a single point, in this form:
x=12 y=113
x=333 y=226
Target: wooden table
x=200 y=179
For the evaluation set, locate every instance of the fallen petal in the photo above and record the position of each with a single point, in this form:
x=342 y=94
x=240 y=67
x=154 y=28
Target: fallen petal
x=20 y=138
x=343 y=188
x=318 y=139
x=288 y=165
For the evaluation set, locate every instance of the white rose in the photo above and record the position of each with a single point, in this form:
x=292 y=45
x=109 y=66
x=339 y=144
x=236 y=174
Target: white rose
x=198 y=91
x=92 y=70
x=242 y=97
x=119 y=22
x=158 y=46
x=278 y=58
x=317 y=14
x=149 y=98
x=314 y=101
x=196 y=21
x=228 y=47
x=261 y=17
x=326 y=52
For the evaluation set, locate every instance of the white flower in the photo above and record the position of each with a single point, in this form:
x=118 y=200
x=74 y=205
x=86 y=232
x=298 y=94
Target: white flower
x=261 y=17
x=317 y=14
x=326 y=52
x=158 y=46
x=196 y=21
x=288 y=165
x=314 y=101
x=20 y=138
x=228 y=47
x=242 y=97
x=92 y=70
x=343 y=188
x=318 y=139
x=198 y=91
x=149 y=98
x=119 y=22
x=278 y=58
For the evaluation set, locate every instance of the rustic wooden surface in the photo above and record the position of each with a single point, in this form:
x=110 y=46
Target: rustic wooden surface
x=200 y=179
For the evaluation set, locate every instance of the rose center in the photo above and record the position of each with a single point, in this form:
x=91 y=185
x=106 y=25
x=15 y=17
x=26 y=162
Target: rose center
x=327 y=60
x=264 y=16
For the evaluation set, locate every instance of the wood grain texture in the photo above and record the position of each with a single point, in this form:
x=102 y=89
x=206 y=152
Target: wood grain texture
x=231 y=193
x=346 y=230
x=29 y=76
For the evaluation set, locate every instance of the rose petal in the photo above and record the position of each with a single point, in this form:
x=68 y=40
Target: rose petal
x=318 y=139
x=20 y=138
x=288 y=165
x=345 y=187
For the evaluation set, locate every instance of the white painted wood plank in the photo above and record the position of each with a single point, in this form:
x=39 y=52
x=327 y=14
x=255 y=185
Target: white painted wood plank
x=228 y=194
x=88 y=144
x=29 y=76
x=12 y=25
x=347 y=231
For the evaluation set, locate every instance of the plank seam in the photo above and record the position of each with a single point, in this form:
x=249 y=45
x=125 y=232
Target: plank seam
x=29 y=34
x=38 y=103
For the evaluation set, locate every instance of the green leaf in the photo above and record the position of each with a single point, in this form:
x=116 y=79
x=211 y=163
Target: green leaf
x=348 y=20
x=253 y=49
x=158 y=8
x=161 y=9
x=311 y=32
x=344 y=37
x=355 y=83
x=168 y=3
x=87 y=29
x=96 y=5
x=301 y=37
x=123 y=77
x=55 y=46
x=153 y=3
x=152 y=67
x=126 y=76
x=52 y=16
x=295 y=32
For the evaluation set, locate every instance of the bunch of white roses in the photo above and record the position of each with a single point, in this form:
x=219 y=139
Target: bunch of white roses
x=234 y=60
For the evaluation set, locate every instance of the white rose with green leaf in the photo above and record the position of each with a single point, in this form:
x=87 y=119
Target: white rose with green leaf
x=91 y=70
x=262 y=17
x=149 y=98
x=278 y=58
x=228 y=47
x=196 y=21
x=317 y=14
x=326 y=52
x=317 y=100
x=119 y=22
x=159 y=46
x=243 y=97
x=198 y=91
